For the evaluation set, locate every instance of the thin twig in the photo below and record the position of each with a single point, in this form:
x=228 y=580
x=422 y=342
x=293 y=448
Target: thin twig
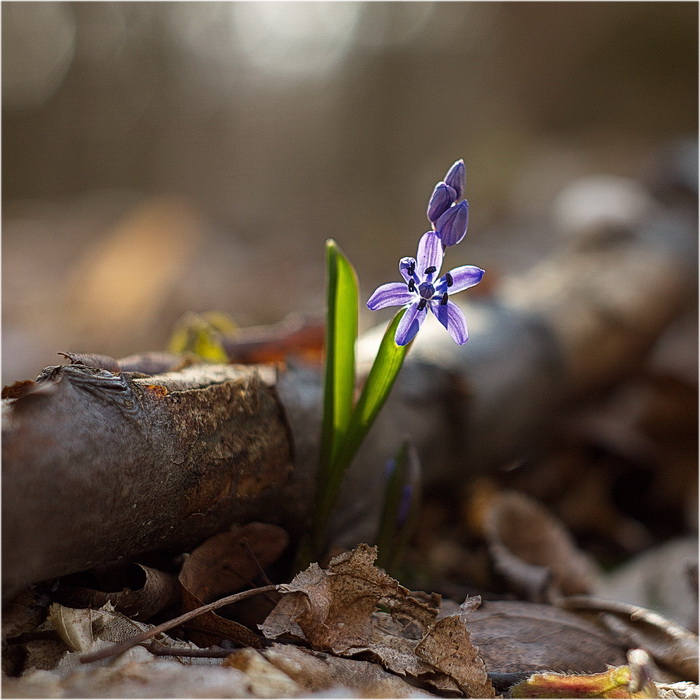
x=261 y=572
x=159 y=649
x=175 y=622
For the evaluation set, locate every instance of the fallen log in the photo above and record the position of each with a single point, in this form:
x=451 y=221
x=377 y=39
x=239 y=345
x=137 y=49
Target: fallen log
x=100 y=465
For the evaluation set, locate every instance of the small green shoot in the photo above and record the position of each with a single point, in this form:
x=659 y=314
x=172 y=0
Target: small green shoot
x=402 y=498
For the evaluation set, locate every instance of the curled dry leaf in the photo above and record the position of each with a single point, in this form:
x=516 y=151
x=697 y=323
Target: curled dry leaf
x=156 y=591
x=669 y=644
x=515 y=636
x=354 y=608
x=222 y=565
x=533 y=550
x=74 y=626
x=83 y=629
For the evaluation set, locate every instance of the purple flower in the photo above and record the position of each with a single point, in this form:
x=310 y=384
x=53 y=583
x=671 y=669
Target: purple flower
x=422 y=291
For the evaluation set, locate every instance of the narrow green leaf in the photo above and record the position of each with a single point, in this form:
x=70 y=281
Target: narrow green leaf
x=375 y=392
x=338 y=384
x=341 y=334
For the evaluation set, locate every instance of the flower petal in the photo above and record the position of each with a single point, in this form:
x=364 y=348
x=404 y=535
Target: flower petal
x=441 y=200
x=451 y=316
x=391 y=294
x=410 y=324
x=407 y=268
x=461 y=278
x=456 y=178
x=452 y=225
x=429 y=255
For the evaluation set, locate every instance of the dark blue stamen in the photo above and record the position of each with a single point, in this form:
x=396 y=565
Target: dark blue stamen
x=412 y=268
x=422 y=304
x=443 y=301
x=430 y=270
x=411 y=285
x=448 y=279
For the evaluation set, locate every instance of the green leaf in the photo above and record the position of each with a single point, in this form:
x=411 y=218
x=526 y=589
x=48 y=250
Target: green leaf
x=339 y=377
x=338 y=390
x=374 y=394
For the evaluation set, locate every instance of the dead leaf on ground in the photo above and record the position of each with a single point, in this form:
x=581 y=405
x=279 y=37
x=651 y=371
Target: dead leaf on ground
x=68 y=632
x=145 y=592
x=136 y=674
x=224 y=564
x=514 y=636
x=661 y=579
x=669 y=644
x=264 y=679
x=317 y=672
x=354 y=608
x=533 y=550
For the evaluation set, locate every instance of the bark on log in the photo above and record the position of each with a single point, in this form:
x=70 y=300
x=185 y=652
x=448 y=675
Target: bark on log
x=100 y=466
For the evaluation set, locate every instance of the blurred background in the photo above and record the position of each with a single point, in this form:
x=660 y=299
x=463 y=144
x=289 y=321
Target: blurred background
x=166 y=157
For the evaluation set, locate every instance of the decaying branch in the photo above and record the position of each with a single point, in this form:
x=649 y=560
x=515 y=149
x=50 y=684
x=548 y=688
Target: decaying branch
x=100 y=465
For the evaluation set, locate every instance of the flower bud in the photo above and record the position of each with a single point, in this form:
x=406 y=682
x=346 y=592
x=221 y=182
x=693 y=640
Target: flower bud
x=451 y=227
x=456 y=178
x=441 y=200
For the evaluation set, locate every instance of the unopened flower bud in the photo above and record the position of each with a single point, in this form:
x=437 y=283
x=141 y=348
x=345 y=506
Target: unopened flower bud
x=456 y=178
x=441 y=200
x=451 y=227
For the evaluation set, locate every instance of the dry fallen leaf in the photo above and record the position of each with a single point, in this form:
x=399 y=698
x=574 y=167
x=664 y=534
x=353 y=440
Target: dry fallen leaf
x=354 y=608
x=660 y=578
x=515 y=636
x=136 y=674
x=264 y=679
x=669 y=644
x=150 y=592
x=317 y=672
x=533 y=550
x=448 y=647
x=224 y=564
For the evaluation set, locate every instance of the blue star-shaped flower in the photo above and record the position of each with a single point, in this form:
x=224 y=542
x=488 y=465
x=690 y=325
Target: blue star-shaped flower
x=421 y=291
